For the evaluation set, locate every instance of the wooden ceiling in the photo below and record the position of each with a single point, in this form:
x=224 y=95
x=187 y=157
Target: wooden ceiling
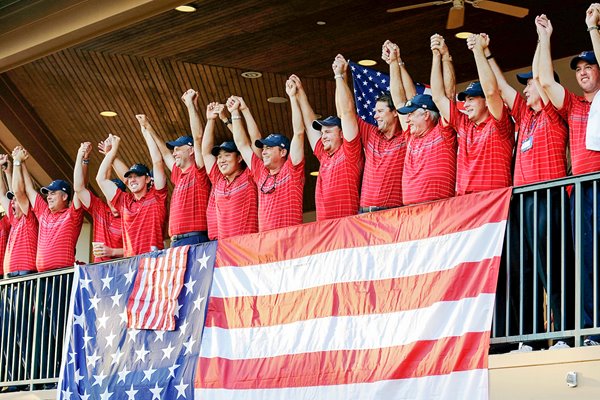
x=144 y=68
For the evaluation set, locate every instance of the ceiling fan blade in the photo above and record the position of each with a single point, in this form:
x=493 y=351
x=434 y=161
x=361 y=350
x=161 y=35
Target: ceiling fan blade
x=431 y=3
x=501 y=8
x=456 y=17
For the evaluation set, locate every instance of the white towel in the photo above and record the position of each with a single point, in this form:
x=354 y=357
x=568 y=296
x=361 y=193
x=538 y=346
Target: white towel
x=592 y=131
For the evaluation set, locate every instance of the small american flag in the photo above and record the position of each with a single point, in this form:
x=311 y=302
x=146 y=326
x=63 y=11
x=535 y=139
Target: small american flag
x=157 y=285
x=369 y=84
x=106 y=361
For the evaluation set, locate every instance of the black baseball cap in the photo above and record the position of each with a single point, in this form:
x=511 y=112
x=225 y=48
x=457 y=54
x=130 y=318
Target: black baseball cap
x=473 y=90
x=423 y=101
x=57 y=185
x=525 y=76
x=228 y=146
x=587 y=56
x=138 y=169
x=332 y=120
x=273 y=140
x=180 y=141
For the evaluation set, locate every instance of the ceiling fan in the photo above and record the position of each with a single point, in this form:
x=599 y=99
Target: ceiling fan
x=456 y=16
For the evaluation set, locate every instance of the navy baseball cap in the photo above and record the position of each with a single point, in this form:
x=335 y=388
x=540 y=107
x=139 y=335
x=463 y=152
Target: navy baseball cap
x=423 y=101
x=119 y=184
x=587 y=56
x=273 y=140
x=332 y=120
x=525 y=76
x=228 y=146
x=181 y=141
x=56 y=185
x=10 y=195
x=473 y=90
x=138 y=169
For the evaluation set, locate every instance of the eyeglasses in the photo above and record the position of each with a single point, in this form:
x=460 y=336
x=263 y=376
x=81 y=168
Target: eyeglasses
x=269 y=184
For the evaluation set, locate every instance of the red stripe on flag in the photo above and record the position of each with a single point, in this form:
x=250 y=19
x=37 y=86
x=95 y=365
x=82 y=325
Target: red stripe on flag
x=414 y=360
x=354 y=298
x=391 y=226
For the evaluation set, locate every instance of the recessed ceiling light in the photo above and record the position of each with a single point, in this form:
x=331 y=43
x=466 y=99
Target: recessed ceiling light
x=367 y=63
x=251 y=74
x=186 y=9
x=277 y=100
x=463 y=35
x=108 y=113
x=314 y=173
x=321 y=22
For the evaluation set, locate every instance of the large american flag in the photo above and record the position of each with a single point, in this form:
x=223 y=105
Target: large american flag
x=369 y=84
x=395 y=304
x=106 y=361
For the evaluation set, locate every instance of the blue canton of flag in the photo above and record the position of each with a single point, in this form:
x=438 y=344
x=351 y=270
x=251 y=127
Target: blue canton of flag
x=369 y=84
x=104 y=360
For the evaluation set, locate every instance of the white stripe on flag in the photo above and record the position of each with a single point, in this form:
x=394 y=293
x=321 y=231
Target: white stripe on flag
x=471 y=384
x=443 y=319
x=361 y=264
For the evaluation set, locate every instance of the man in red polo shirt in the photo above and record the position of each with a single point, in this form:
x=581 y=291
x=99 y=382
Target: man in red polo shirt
x=21 y=246
x=59 y=219
x=485 y=132
x=144 y=208
x=341 y=161
x=430 y=163
x=189 y=200
x=279 y=175
x=233 y=186
x=576 y=110
x=107 y=224
x=6 y=167
x=384 y=145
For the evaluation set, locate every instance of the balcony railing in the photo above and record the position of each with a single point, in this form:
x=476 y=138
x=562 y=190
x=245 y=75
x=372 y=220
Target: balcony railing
x=537 y=298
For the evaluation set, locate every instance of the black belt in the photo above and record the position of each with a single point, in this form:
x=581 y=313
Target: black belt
x=175 y=238
x=371 y=209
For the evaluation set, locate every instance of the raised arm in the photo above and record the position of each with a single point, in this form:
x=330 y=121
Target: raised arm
x=158 y=166
x=5 y=163
x=447 y=70
x=553 y=89
x=22 y=185
x=437 y=80
x=308 y=115
x=507 y=92
x=344 y=100
x=208 y=139
x=107 y=186
x=190 y=99
x=297 y=144
x=80 y=176
x=495 y=105
x=239 y=132
x=251 y=126
x=392 y=51
x=118 y=165
x=391 y=54
x=535 y=68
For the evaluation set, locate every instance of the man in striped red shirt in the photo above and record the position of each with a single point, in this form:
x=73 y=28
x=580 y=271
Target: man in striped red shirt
x=279 y=173
x=430 y=163
x=485 y=132
x=341 y=161
x=189 y=200
x=59 y=218
x=384 y=145
x=540 y=156
x=107 y=236
x=576 y=110
x=144 y=208
x=234 y=190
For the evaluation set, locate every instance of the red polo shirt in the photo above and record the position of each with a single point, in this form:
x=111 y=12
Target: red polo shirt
x=211 y=216
x=236 y=203
x=143 y=220
x=58 y=235
x=22 y=243
x=430 y=166
x=575 y=111
x=4 y=232
x=541 y=144
x=279 y=195
x=188 y=200
x=336 y=193
x=384 y=162
x=484 y=152
x=108 y=229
